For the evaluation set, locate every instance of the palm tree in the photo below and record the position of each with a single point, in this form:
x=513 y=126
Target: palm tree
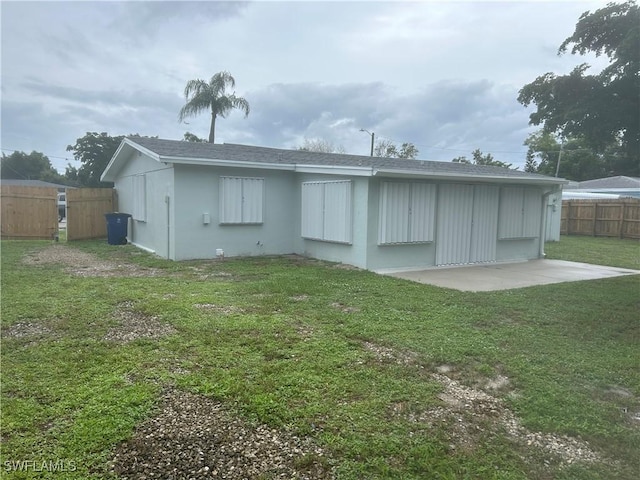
x=202 y=96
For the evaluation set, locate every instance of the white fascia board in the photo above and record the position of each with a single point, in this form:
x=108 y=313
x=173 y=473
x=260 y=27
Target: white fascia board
x=227 y=163
x=110 y=171
x=336 y=170
x=466 y=177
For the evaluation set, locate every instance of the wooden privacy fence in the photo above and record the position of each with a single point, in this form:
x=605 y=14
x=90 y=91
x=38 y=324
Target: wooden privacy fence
x=31 y=213
x=602 y=218
x=28 y=213
x=85 y=212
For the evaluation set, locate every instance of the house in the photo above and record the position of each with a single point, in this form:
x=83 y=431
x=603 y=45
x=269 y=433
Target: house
x=608 y=187
x=201 y=200
x=34 y=183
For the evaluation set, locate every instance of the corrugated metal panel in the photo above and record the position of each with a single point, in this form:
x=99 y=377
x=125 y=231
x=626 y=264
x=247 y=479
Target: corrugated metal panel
x=337 y=211
x=140 y=198
x=532 y=213
x=423 y=212
x=394 y=213
x=510 y=218
x=407 y=212
x=230 y=200
x=312 y=210
x=241 y=200
x=455 y=213
x=485 y=224
x=520 y=212
x=252 y=195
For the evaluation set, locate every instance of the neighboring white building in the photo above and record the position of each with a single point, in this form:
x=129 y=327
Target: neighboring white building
x=609 y=187
x=199 y=200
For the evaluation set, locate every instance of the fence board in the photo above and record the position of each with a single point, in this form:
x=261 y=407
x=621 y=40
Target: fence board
x=601 y=217
x=85 y=212
x=28 y=213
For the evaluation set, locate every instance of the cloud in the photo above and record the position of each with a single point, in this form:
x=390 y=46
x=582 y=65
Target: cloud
x=442 y=75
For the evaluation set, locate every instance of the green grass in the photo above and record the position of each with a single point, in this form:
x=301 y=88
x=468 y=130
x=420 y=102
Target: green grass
x=614 y=252
x=286 y=347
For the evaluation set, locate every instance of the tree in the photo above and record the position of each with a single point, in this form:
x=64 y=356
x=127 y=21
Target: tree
x=577 y=161
x=320 y=145
x=600 y=109
x=190 y=137
x=32 y=166
x=388 y=149
x=480 y=159
x=94 y=151
x=202 y=96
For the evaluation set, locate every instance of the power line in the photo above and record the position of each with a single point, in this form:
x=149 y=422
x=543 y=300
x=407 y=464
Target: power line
x=48 y=156
x=520 y=152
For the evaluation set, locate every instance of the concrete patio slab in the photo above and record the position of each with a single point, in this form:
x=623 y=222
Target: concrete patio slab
x=505 y=276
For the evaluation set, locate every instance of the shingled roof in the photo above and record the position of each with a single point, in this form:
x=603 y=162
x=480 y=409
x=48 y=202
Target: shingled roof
x=175 y=151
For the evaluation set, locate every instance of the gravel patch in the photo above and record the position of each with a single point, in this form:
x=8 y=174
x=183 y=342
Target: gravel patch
x=194 y=437
x=222 y=309
x=25 y=330
x=344 y=308
x=85 y=264
x=135 y=325
x=471 y=413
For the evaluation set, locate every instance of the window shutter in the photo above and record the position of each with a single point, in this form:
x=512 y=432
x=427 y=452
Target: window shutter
x=241 y=200
x=140 y=198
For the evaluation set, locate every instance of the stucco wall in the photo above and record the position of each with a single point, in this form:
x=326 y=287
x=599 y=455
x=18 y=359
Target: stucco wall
x=354 y=253
x=197 y=192
x=151 y=234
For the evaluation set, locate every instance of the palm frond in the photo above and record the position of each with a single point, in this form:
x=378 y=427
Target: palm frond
x=219 y=83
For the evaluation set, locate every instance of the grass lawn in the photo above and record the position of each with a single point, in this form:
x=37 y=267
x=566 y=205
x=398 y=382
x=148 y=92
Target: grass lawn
x=387 y=378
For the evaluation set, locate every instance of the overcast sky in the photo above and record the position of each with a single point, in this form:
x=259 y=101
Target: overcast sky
x=442 y=75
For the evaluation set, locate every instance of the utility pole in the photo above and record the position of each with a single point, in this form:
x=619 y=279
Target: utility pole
x=559 y=158
x=373 y=135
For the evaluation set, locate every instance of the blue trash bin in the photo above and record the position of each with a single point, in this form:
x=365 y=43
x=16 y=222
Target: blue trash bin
x=117 y=228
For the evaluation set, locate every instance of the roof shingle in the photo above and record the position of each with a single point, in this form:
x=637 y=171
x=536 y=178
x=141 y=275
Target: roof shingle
x=245 y=153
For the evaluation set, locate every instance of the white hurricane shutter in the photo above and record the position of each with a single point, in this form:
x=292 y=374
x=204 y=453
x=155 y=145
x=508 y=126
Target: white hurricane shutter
x=407 y=213
x=337 y=212
x=455 y=216
x=140 y=198
x=485 y=224
x=510 y=218
x=252 y=193
x=326 y=211
x=532 y=213
x=394 y=213
x=241 y=200
x=520 y=213
x=312 y=210
x=422 y=212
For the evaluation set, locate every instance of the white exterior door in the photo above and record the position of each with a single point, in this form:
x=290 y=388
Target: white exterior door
x=467 y=224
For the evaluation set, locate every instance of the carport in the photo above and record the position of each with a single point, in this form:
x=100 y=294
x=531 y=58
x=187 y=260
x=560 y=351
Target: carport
x=505 y=276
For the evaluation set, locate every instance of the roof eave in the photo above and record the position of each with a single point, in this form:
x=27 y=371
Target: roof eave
x=468 y=176
x=115 y=164
x=216 y=162
x=355 y=171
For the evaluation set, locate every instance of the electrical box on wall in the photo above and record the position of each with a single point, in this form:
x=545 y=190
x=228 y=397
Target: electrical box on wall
x=206 y=218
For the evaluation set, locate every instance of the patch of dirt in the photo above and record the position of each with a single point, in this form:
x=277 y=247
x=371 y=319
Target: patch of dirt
x=222 y=309
x=26 y=330
x=471 y=414
x=85 y=264
x=300 y=298
x=386 y=354
x=344 y=308
x=195 y=437
x=473 y=409
x=135 y=325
